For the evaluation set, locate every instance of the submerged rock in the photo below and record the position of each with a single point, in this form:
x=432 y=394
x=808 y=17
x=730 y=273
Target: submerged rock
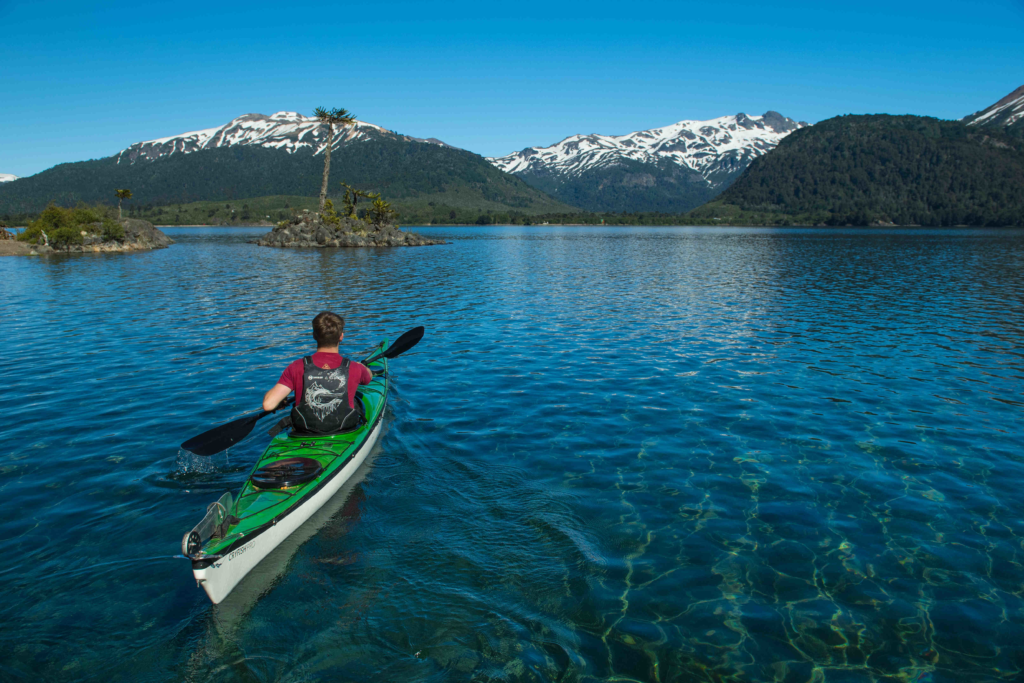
x=307 y=230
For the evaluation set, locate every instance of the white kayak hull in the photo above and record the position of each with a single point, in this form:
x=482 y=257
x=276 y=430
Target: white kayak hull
x=220 y=578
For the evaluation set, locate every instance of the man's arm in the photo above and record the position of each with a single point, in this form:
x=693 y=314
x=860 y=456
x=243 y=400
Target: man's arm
x=272 y=399
x=365 y=376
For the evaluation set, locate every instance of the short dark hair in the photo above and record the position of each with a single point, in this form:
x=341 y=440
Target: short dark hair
x=327 y=328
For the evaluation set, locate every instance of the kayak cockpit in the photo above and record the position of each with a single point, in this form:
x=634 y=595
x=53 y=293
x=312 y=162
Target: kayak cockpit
x=215 y=524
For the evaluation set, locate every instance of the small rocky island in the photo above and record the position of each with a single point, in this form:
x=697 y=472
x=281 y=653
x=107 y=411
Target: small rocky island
x=82 y=229
x=308 y=230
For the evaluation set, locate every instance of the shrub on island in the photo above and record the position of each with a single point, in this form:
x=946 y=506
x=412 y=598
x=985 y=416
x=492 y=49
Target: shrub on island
x=90 y=228
x=62 y=228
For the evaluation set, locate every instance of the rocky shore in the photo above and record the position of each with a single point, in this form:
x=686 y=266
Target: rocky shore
x=307 y=230
x=139 y=235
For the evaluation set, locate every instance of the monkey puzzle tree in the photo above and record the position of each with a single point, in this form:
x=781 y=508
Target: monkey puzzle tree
x=381 y=213
x=121 y=196
x=351 y=198
x=332 y=117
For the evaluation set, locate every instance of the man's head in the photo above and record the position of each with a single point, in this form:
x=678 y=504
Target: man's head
x=328 y=329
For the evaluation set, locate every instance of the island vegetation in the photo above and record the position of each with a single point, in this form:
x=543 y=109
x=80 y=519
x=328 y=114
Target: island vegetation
x=331 y=117
x=121 y=196
x=63 y=228
x=86 y=228
x=374 y=226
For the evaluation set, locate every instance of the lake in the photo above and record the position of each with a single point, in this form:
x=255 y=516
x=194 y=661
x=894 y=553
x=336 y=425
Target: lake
x=632 y=454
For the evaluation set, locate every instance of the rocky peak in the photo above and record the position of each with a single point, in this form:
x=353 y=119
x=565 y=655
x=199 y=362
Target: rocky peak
x=780 y=124
x=1007 y=112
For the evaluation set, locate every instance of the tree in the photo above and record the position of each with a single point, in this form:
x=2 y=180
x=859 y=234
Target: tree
x=332 y=117
x=380 y=213
x=329 y=216
x=351 y=198
x=121 y=195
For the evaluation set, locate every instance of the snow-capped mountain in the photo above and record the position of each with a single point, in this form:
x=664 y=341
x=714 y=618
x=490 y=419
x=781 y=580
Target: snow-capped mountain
x=1007 y=112
x=7 y=177
x=285 y=130
x=280 y=156
x=674 y=168
x=708 y=147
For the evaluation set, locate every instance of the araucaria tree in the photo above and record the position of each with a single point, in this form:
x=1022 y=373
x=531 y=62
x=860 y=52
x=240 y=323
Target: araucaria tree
x=351 y=198
x=380 y=213
x=121 y=196
x=332 y=117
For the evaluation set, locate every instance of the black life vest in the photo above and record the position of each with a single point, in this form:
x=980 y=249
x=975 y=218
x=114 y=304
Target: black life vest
x=324 y=408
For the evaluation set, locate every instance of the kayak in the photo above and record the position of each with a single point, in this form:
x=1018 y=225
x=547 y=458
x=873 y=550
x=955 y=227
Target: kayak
x=295 y=477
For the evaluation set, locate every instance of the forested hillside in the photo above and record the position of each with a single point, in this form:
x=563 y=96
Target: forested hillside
x=857 y=170
x=396 y=167
x=627 y=186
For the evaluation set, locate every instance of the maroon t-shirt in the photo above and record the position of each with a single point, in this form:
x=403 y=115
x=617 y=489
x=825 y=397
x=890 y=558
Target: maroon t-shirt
x=357 y=374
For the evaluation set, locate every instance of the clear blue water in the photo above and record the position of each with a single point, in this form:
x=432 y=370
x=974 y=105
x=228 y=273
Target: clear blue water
x=618 y=454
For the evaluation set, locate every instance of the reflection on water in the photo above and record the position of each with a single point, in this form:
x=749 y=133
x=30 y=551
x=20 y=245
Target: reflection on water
x=624 y=454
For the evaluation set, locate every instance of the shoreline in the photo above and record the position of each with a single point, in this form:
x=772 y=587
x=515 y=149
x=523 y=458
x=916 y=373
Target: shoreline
x=630 y=225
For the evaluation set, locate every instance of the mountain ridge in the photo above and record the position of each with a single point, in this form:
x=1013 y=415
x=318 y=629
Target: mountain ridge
x=284 y=130
x=671 y=168
x=257 y=156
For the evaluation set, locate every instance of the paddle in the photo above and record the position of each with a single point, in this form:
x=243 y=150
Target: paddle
x=401 y=345
x=227 y=435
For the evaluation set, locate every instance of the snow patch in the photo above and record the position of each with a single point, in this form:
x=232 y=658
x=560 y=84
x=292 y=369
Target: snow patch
x=1006 y=111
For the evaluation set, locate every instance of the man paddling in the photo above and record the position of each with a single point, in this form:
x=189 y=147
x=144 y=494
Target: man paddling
x=324 y=384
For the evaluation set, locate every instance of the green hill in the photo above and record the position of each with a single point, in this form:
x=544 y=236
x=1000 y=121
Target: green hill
x=413 y=173
x=857 y=170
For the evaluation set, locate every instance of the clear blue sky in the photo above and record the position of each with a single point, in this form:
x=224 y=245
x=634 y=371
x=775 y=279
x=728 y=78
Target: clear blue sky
x=80 y=81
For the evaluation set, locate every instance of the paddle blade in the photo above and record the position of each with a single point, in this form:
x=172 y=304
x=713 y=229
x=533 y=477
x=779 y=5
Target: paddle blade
x=223 y=437
x=404 y=343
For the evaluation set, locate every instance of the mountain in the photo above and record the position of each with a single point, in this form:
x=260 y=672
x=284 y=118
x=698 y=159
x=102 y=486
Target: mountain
x=1007 y=113
x=7 y=177
x=908 y=170
x=286 y=130
x=257 y=156
x=671 y=169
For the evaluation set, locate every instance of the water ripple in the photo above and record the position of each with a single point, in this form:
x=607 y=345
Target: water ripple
x=619 y=454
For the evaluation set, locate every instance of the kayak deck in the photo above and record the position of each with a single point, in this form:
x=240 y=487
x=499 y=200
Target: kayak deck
x=255 y=509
